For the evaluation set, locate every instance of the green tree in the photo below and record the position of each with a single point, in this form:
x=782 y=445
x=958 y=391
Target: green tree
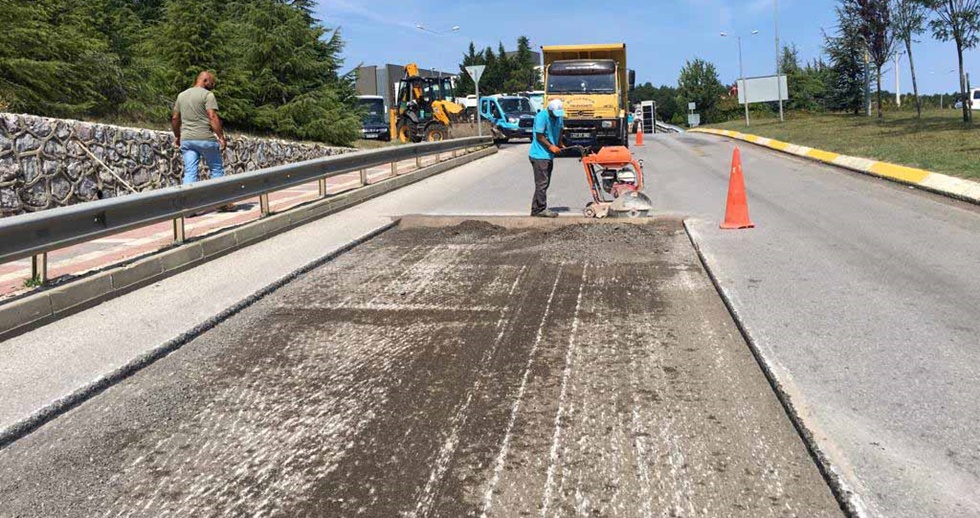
x=876 y=32
x=53 y=59
x=523 y=75
x=665 y=98
x=492 y=81
x=908 y=20
x=807 y=84
x=959 y=21
x=789 y=63
x=846 y=77
x=698 y=83
x=465 y=85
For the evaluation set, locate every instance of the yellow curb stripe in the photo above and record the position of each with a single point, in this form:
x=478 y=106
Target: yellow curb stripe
x=823 y=156
x=899 y=172
x=927 y=179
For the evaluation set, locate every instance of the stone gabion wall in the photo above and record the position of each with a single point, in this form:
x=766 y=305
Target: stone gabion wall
x=44 y=162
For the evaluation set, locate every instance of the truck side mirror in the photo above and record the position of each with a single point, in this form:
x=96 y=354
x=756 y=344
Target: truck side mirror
x=632 y=79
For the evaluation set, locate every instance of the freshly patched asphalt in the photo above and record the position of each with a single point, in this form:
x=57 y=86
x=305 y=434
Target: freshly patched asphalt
x=471 y=370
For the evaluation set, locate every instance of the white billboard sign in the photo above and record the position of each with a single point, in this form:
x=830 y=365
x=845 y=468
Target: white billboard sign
x=763 y=89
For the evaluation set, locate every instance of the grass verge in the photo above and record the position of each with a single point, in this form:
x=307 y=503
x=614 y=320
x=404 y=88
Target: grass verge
x=938 y=142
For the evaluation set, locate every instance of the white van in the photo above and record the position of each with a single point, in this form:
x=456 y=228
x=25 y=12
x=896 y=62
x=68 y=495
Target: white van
x=974 y=100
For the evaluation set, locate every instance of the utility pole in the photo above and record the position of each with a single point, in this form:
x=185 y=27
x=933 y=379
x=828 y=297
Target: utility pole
x=867 y=79
x=779 y=83
x=745 y=86
x=898 y=88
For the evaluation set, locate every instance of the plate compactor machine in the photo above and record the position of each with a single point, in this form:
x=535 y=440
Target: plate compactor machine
x=616 y=181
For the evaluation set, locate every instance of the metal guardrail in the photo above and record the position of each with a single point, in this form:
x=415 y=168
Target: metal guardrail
x=36 y=234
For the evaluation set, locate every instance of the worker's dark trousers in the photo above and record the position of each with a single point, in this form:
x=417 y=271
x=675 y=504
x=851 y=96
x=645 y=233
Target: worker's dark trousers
x=542 y=179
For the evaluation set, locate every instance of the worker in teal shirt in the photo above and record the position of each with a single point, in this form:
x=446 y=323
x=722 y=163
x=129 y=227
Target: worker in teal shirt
x=544 y=146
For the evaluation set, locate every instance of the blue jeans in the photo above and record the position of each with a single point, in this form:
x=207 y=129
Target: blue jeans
x=193 y=151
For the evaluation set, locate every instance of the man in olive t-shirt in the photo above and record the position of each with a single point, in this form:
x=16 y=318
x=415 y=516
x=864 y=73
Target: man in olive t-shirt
x=197 y=128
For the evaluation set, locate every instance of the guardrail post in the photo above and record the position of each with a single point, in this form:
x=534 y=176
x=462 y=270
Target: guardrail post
x=322 y=184
x=418 y=162
x=364 y=177
x=394 y=169
x=39 y=268
x=264 y=205
x=179 y=236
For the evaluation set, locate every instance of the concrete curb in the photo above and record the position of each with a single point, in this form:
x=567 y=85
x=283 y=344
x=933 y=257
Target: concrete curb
x=945 y=185
x=24 y=314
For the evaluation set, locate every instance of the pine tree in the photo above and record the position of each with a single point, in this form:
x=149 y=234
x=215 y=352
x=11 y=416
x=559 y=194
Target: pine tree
x=492 y=80
x=53 y=59
x=846 y=77
x=465 y=85
x=523 y=75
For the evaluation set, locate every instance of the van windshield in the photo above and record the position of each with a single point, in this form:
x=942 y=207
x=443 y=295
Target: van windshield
x=516 y=106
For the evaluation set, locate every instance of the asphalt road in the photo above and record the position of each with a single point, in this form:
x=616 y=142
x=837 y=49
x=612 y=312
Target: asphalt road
x=463 y=371
x=860 y=294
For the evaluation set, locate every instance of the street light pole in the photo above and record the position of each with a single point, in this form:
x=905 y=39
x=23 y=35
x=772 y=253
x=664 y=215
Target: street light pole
x=421 y=27
x=779 y=83
x=744 y=87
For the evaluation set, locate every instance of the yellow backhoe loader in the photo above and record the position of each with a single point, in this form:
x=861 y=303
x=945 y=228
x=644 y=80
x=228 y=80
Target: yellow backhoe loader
x=424 y=107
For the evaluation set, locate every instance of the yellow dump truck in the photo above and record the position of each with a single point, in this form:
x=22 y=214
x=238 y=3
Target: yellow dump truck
x=594 y=84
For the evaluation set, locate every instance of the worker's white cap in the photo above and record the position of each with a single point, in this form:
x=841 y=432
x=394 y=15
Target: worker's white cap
x=556 y=107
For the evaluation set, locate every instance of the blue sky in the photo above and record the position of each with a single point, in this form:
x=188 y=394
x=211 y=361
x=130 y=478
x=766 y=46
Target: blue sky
x=660 y=34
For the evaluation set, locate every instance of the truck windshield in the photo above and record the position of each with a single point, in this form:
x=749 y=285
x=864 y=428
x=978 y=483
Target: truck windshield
x=373 y=110
x=516 y=106
x=586 y=83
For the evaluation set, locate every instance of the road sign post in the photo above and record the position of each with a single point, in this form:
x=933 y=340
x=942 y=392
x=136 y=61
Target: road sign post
x=476 y=72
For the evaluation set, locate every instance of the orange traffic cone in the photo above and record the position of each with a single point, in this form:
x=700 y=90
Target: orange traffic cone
x=639 y=135
x=737 y=211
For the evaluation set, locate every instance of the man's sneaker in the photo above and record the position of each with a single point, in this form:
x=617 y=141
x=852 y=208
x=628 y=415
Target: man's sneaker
x=546 y=213
x=231 y=207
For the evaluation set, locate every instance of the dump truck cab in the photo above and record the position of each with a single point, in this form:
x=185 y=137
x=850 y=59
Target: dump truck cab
x=510 y=116
x=594 y=84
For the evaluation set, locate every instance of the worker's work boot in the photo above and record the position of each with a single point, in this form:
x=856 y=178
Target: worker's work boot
x=546 y=213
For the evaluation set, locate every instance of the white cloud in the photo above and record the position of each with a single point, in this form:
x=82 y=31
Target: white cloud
x=332 y=8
